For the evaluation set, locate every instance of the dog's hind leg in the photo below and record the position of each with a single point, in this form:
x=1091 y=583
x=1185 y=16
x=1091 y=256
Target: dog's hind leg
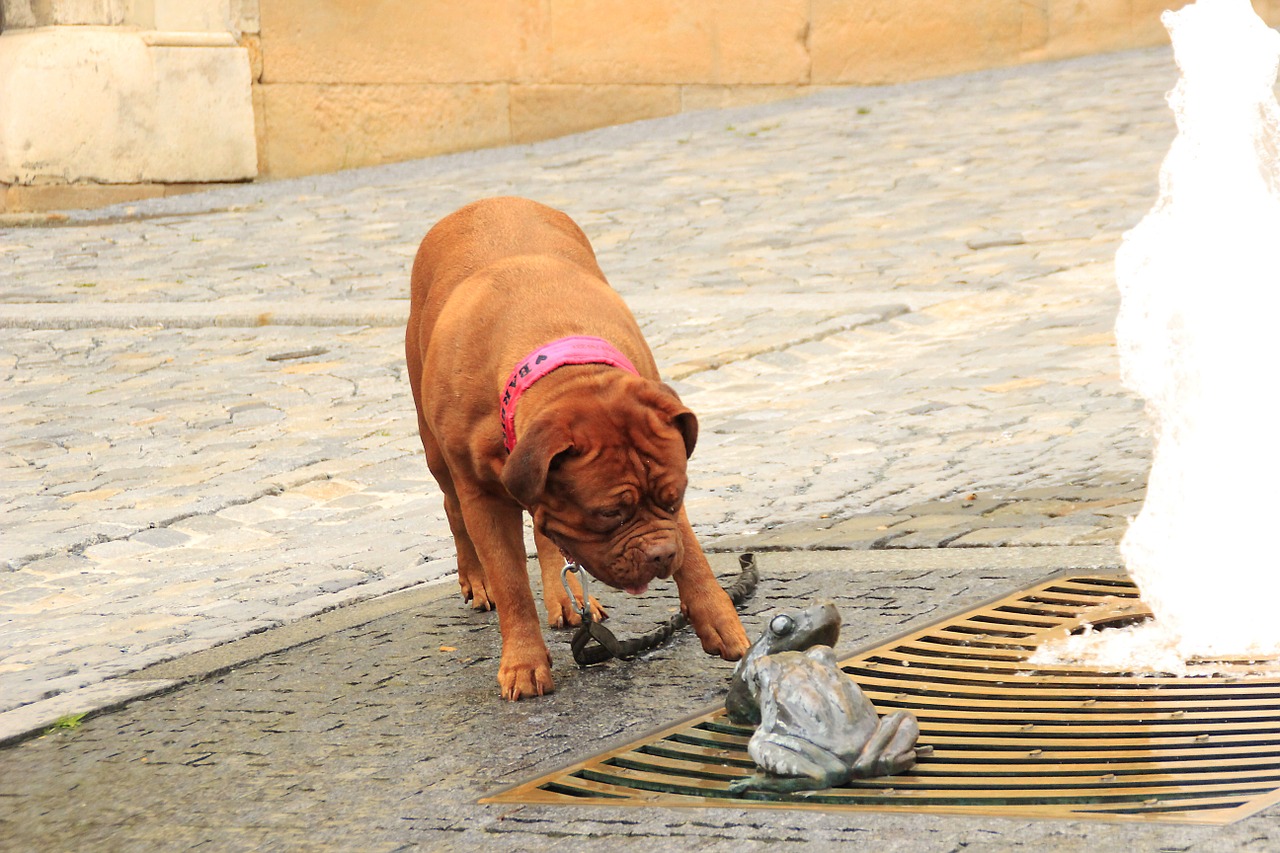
x=560 y=612
x=471 y=576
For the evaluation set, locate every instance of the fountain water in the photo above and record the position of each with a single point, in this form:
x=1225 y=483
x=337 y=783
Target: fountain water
x=1197 y=333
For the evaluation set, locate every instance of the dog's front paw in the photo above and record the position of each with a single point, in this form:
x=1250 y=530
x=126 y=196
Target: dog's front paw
x=727 y=641
x=561 y=614
x=522 y=676
x=720 y=630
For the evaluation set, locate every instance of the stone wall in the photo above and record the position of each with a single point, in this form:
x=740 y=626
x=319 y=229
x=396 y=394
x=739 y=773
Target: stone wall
x=398 y=79
x=336 y=84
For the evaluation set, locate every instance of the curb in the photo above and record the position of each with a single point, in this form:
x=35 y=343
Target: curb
x=112 y=694
x=199 y=315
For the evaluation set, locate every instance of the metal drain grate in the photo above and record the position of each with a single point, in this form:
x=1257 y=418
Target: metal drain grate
x=1008 y=740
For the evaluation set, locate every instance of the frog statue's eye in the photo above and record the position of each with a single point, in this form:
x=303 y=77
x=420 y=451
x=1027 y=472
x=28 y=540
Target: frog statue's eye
x=782 y=625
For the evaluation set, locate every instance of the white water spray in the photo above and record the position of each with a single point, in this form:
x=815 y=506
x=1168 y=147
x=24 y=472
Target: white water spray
x=1199 y=338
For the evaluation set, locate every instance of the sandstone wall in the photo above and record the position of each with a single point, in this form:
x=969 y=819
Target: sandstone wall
x=345 y=84
x=341 y=83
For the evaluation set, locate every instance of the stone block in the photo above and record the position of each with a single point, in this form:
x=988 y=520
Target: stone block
x=989 y=537
x=855 y=540
x=1268 y=10
x=1101 y=536
x=259 y=99
x=46 y=197
x=860 y=523
x=669 y=41
x=862 y=532
x=585 y=47
x=939 y=523
x=245 y=16
x=162 y=537
x=882 y=41
x=436 y=41
x=977 y=505
x=185 y=15
x=923 y=539
x=789 y=538
x=1034 y=34
x=120 y=106
x=203 y=125
x=1126 y=510
x=63 y=95
x=546 y=111
x=1058 y=534
x=699 y=97
x=1031 y=511
x=54 y=13
x=117 y=549
x=321 y=128
x=765 y=45
x=253 y=45
x=1144 y=20
x=1090 y=26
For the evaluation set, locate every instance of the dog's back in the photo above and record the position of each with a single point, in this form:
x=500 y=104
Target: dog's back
x=472 y=238
x=487 y=231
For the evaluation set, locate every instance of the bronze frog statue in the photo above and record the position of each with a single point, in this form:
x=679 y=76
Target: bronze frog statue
x=815 y=728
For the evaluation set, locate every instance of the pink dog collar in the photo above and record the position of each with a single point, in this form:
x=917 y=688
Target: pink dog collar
x=577 y=349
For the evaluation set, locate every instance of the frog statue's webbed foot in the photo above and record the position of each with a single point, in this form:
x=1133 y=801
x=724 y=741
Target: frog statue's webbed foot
x=891 y=749
x=777 y=784
x=791 y=764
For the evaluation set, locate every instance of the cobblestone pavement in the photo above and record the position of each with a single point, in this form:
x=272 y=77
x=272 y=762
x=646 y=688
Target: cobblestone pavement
x=891 y=308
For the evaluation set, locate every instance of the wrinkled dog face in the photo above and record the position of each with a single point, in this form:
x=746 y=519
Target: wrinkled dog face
x=613 y=487
x=614 y=509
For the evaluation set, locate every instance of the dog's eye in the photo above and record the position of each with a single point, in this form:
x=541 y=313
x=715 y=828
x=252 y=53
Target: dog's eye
x=782 y=625
x=610 y=519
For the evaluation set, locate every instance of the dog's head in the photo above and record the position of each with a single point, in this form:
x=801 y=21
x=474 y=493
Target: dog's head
x=604 y=479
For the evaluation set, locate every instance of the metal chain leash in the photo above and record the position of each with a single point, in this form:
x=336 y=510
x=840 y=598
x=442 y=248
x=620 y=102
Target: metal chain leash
x=609 y=646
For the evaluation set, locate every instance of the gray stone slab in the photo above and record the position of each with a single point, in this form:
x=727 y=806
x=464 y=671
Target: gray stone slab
x=382 y=734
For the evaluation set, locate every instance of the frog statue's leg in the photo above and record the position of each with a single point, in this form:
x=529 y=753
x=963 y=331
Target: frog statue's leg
x=792 y=764
x=891 y=748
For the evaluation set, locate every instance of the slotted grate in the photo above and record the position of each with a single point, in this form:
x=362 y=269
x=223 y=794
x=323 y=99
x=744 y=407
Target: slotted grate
x=1008 y=739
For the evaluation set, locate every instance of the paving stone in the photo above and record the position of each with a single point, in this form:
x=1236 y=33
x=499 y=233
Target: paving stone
x=962 y=504
x=931 y=523
x=162 y=537
x=1058 y=534
x=1039 y=509
x=986 y=537
x=1100 y=536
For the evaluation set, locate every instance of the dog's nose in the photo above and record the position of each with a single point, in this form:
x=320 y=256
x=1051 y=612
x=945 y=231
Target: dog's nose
x=661 y=555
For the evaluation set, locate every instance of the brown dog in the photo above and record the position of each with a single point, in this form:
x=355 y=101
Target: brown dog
x=507 y=292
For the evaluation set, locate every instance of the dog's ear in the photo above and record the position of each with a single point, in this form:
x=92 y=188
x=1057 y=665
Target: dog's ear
x=681 y=418
x=687 y=422
x=525 y=474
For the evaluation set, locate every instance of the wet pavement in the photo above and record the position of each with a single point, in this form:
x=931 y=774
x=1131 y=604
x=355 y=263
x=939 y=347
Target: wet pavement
x=382 y=734
x=891 y=309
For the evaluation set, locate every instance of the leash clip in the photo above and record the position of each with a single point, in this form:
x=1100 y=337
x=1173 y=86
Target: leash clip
x=585 y=610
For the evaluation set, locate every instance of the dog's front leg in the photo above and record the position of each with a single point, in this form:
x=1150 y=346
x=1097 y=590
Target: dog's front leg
x=707 y=606
x=495 y=525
